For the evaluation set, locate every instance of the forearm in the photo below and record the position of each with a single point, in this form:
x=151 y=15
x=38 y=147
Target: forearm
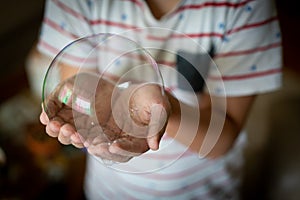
x=209 y=134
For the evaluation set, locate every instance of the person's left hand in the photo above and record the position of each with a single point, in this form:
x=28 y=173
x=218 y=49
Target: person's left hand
x=125 y=126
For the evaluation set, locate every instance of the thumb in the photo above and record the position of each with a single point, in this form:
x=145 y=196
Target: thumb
x=157 y=124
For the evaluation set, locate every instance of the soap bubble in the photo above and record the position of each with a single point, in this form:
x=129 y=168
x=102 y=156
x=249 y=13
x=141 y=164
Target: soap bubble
x=96 y=67
x=99 y=62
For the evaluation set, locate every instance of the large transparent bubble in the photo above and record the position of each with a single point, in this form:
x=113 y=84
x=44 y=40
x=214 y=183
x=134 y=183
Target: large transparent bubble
x=90 y=68
x=84 y=83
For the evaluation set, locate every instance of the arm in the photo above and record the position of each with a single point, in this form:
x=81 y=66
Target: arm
x=235 y=116
x=114 y=133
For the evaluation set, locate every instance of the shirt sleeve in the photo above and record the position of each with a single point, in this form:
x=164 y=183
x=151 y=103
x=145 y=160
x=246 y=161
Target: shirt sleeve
x=65 y=24
x=248 y=60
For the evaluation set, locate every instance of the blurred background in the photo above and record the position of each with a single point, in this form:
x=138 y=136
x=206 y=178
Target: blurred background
x=35 y=166
x=32 y=165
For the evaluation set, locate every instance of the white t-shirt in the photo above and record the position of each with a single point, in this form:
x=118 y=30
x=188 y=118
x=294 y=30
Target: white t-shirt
x=242 y=37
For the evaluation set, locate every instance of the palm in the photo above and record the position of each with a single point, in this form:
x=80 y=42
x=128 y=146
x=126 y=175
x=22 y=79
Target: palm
x=121 y=122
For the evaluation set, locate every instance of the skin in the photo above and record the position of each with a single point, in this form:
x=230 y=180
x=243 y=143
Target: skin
x=160 y=8
x=126 y=122
x=128 y=135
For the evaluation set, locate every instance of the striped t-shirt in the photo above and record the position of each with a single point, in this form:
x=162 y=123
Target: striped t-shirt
x=243 y=39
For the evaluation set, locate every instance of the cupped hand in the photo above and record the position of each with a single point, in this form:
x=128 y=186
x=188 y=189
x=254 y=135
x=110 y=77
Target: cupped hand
x=120 y=123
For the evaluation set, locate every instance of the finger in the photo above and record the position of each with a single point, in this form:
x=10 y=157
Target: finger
x=92 y=136
x=157 y=124
x=44 y=118
x=63 y=139
x=154 y=141
x=77 y=145
x=99 y=139
x=82 y=134
x=101 y=150
x=129 y=146
x=75 y=138
x=50 y=132
x=67 y=130
x=65 y=133
x=53 y=128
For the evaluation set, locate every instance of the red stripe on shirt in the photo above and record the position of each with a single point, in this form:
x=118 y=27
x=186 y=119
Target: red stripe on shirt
x=188 y=35
x=137 y=2
x=49 y=47
x=173 y=192
x=165 y=156
x=111 y=23
x=58 y=28
x=76 y=14
x=69 y=10
x=196 y=35
x=246 y=76
x=166 y=63
x=212 y=4
x=249 y=51
x=68 y=56
x=247 y=26
x=179 y=174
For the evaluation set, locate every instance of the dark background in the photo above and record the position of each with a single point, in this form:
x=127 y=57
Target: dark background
x=37 y=167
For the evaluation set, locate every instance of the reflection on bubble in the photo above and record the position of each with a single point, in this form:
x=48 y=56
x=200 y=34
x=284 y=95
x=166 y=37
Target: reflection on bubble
x=105 y=66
